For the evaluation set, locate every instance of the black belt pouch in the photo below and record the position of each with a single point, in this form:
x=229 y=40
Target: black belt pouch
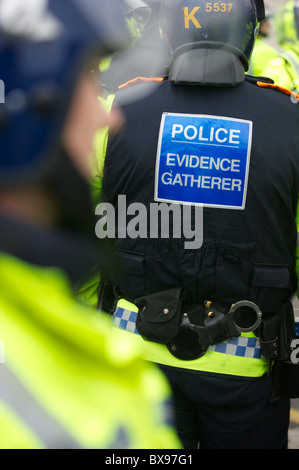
x=159 y=314
x=286 y=379
x=285 y=371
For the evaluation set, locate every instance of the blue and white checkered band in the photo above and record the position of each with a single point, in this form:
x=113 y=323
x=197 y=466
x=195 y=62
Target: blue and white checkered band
x=240 y=346
x=125 y=320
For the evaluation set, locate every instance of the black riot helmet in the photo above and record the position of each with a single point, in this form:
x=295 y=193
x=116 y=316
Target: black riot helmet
x=138 y=11
x=45 y=46
x=197 y=30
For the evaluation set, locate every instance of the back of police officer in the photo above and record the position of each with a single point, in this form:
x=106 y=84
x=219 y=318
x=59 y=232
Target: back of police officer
x=209 y=138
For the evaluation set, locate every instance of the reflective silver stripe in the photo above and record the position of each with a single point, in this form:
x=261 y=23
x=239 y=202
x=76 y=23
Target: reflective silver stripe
x=17 y=397
x=292 y=61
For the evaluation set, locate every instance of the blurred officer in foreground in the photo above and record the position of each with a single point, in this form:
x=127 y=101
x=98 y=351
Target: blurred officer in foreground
x=146 y=56
x=216 y=315
x=66 y=379
x=284 y=69
x=262 y=52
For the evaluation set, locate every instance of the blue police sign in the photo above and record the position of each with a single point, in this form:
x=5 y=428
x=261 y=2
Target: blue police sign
x=203 y=160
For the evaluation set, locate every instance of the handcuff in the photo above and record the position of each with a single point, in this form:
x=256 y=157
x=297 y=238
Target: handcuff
x=205 y=325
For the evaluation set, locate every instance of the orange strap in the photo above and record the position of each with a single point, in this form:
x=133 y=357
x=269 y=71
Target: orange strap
x=139 y=80
x=279 y=88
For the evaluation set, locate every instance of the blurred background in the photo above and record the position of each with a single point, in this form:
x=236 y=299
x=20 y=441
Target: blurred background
x=274 y=5
x=294 y=426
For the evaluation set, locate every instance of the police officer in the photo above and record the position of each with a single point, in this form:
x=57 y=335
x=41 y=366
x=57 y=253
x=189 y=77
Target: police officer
x=66 y=379
x=284 y=24
x=284 y=69
x=262 y=52
x=148 y=54
x=213 y=139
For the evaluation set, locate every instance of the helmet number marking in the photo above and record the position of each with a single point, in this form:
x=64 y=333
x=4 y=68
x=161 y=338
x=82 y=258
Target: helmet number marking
x=221 y=7
x=191 y=17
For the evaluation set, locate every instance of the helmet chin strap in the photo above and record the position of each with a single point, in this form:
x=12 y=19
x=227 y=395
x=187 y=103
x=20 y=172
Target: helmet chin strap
x=208 y=63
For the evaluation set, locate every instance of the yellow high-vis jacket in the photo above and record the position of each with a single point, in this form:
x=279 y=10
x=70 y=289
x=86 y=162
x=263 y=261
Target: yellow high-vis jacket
x=68 y=379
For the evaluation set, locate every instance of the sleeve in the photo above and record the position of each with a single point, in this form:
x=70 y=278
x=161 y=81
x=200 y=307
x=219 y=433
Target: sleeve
x=99 y=154
x=277 y=69
x=88 y=292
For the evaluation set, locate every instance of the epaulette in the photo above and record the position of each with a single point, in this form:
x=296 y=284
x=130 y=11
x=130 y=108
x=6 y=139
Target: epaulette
x=253 y=79
x=279 y=88
x=139 y=80
x=265 y=82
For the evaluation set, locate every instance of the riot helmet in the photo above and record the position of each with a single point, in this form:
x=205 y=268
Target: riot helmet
x=45 y=47
x=199 y=25
x=138 y=10
x=148 y=54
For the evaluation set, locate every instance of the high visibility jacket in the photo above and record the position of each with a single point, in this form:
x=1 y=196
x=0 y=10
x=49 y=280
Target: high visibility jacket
x=246 y=254
x=285 y=27
x=262 y=54
x=284 y=70
x=88 y=290
x=67 y=378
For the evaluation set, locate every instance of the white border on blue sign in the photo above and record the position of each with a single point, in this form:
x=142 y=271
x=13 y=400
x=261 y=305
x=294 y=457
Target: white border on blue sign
x=158 y=155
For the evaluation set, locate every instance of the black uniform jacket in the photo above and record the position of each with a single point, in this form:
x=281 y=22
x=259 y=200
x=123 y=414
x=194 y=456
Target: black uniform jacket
x=246 y=254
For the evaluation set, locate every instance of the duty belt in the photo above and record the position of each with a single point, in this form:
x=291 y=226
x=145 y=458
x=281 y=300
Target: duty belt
x=210 y=327
x=205 y=327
